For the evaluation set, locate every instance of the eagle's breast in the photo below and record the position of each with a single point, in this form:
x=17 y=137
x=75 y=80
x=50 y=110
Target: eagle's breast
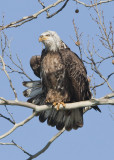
x=53 y=77
x=51 y=63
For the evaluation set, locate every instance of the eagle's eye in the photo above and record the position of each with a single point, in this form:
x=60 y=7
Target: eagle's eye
x=48 y=35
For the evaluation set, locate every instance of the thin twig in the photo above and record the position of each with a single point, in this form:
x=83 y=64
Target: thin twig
x=92 y=5
x=11 y=85
x=1 y=115
x=31 y=17
x=15 y=144
x=10 y=114
x=49 y=16
x=17 y=125
x=47 y=145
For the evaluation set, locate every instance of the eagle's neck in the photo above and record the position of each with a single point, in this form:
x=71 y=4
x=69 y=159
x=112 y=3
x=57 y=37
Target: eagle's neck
x=55 y=46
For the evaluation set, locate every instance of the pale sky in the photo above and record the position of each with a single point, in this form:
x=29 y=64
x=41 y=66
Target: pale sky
x=92 y=142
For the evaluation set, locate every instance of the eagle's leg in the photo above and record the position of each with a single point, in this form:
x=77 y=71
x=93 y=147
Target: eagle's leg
x=58 y=104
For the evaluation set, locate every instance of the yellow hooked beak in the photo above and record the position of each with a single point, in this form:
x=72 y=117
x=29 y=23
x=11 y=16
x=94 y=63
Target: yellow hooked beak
x=42 y=38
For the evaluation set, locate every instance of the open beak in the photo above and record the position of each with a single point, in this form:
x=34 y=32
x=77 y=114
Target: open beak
x=42 y=38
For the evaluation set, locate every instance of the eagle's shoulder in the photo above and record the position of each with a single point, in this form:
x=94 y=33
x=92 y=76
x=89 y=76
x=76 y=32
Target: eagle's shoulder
x=71 y=58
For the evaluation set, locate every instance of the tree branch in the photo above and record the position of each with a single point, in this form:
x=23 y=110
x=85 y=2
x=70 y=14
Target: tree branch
x=92 y=102
x=14 y=144
x=49 y=16
x=31 y=17
x=7 y=118
x=18 y=125
x=3 y=63
x=92 y=5
x=47 y=145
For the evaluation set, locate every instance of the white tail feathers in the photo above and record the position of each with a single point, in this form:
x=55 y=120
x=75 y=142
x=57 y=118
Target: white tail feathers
x=32 y=84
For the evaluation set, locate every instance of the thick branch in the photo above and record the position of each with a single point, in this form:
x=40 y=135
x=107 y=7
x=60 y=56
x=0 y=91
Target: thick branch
x=103 y=100
x=92 y=102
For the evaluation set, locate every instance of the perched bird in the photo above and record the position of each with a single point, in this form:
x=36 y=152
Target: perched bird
x=63 y=80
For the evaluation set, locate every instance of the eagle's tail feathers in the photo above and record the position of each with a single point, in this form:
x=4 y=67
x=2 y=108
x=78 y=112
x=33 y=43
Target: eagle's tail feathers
x=39 y=99
x=78 y=118
x=60 y=119
x=34 y=88
x=96 y=108
x=32 y=92
x=44 y=115
x=32 y=84
x=52 y=118
x=69 y=122
x=74 y=119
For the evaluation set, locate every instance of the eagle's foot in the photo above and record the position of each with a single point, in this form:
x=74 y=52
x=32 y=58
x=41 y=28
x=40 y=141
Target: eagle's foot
x=58 y=105
x=47 y=101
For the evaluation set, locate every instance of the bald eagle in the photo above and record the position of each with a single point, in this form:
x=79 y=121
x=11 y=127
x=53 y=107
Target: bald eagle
x=63 y=80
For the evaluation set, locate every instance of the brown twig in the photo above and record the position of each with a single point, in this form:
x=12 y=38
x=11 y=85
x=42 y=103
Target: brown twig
x=78 y=37
x=49 y=16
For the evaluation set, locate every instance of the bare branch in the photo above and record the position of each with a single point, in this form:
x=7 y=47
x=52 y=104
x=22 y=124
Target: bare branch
x=17 y=125
x=92 y=5
x=3 y=63
x=47 y=145
x=31 y=17
x=105 y=36
x=42 y=4
x=10 y=115
x=7 y=118
x=14 y=144
x=78 y=37
x=49 y=16
x=91 y=102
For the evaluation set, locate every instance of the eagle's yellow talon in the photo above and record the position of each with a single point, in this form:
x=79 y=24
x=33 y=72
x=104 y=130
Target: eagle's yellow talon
x=47 y=101
x=63 y=104
x=54 y=104
x=58 y=105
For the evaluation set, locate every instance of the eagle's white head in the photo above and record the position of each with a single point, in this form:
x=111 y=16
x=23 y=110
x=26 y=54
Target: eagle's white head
x=52 y=41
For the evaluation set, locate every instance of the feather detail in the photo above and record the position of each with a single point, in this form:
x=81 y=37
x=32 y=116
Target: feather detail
x=39 y=99
x=52 y=117
x=32 y=92
x=60 y=120
x=30 y=84
x=44 y=115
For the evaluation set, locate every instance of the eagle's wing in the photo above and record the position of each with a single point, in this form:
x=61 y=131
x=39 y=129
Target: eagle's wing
x=77 y=75
x=35 y=65
x=79 y=86
x=34 y=90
